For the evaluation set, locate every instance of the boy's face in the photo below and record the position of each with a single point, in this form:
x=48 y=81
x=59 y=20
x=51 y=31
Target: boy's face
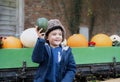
x=55 y=38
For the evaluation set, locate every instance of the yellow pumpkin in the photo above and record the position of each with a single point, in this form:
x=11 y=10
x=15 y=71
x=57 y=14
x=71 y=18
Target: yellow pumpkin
x=77 y=40
x=101 y=40
x=11 y=42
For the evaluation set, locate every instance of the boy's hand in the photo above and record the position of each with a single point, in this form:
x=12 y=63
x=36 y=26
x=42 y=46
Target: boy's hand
x=40 y=33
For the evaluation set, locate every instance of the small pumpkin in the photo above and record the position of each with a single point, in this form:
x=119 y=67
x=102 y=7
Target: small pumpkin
x=42 y=23
x=101 y=40
x=77 y=40
x=11 y=42
x=115 y=40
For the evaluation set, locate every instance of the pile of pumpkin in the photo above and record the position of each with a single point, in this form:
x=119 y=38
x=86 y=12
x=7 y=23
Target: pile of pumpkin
x=29 y=37
x=75 y=40
x=98 y=40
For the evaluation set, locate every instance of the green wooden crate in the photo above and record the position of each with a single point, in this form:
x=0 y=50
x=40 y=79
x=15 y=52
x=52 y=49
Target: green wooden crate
x=95 y=55
x=14 y=58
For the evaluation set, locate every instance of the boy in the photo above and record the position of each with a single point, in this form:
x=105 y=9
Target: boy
x=56 y=61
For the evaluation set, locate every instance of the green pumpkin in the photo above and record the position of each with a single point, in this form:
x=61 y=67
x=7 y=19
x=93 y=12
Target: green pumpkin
x=42 y=23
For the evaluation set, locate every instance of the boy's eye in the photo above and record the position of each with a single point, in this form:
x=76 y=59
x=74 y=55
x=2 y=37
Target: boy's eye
x=60 y=34
x=54 y=34
x=57 y=34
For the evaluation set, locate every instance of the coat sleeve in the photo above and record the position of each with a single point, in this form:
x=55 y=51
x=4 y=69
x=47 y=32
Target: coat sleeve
x=38 y=51
x=71 y=68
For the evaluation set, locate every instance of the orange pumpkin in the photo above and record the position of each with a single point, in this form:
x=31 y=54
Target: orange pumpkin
x=77 y=40
x=11 y=42
x=101 y=40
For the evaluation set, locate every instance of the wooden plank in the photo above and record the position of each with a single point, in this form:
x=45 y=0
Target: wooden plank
x=8 y=18
x=7 y=33
x=20 y=17
x=8 y=3
x=6 y=8
x=10 y=28
x=7 y=11
x=7 y=23
x=8 y=0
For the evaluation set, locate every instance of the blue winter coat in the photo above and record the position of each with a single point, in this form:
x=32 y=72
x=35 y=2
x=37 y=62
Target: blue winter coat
x=43 y=56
